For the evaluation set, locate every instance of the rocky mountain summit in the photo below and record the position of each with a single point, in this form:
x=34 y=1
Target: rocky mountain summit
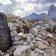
x=52 y=12
x=32 y=39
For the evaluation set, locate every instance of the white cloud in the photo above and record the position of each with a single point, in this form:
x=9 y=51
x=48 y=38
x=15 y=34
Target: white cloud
x=5 y=2
x=29 y=7
x=42 y=12
x=24 y=7
x=21 y=1
x=38 y=6
x=17 y=12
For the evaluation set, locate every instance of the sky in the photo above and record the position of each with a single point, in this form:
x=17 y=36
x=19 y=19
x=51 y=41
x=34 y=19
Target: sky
x=24 y=8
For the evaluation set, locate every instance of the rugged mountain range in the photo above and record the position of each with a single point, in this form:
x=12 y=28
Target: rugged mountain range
x=36 y=16
x=51 y=14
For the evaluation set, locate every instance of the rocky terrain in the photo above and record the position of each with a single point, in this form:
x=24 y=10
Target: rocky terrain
x=32 y=39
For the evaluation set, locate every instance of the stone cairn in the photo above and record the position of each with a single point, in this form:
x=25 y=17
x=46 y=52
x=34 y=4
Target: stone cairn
x=5 y=39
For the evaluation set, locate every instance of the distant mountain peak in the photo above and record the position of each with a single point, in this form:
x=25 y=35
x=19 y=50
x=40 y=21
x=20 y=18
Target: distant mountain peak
x=33 y=14
x=36 y=16
x=52 y=12
x=52 y=6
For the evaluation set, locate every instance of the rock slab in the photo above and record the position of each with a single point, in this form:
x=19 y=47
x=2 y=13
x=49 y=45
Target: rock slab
x=22 y=51
x=5 y=40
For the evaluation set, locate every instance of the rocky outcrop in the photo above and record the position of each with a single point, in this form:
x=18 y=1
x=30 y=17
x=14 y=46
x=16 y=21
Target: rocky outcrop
x=40 y=41
x=41 y=38
x=5 y=40
x=22 y=51
x=52 y=12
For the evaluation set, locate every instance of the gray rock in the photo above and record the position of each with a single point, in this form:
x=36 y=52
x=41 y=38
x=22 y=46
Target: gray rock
x=1 y=53
x=33 y=54
x=16 y=38
x=28 y=39
x=34 y=31
x=6 y=54
x=50 y=52
x=5 y=39
x=20 y=34
x=22 y=51
x=32 y=46
x=13 y=33
x=18 y=42
x=12 y=26
x=32 y=37
x=34 y=41
x=45 y=54
x=25 y=43
x=40 y=45
x=37 y=50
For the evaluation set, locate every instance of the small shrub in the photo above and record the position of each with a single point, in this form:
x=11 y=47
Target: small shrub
x=26 y=29
x=18 y=29
x=20 y=19
x=23 y=21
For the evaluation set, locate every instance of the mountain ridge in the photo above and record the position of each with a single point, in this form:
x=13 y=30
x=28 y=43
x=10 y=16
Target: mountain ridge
x=36 y=16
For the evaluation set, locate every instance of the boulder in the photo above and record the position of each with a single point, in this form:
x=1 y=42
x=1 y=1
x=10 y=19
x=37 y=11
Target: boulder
x=34 y=31
x=37 y=50
x=13 y=33
x=22 y=51
x=5 y=39
x=33 y=53
x=40 y=45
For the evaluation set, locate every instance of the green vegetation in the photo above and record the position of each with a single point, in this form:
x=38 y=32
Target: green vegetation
x=10 y=19
x=25 y=26
x=23 y=20
x=18 y=29
x=26 y=29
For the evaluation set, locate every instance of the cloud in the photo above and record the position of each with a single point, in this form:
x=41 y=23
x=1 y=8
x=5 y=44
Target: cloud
x=17 y=12
x=5 y=2
x=25 y=7
x=21 y=1
x=50 y=1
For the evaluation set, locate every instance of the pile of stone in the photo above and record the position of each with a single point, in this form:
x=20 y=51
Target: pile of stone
x=40 y=41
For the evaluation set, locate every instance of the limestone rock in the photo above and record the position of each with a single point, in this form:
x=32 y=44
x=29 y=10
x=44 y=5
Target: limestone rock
x=13 y=33
x=33 y=53
x=22 y=51
x=34 y=31
x=1 y=53
x=37 y=50
x=40 y=45
x=20 y=34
